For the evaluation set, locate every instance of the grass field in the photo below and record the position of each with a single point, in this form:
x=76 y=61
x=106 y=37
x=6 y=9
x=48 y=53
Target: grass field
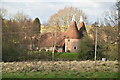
x=60 y=74
x=60 y=69
x=67 y=56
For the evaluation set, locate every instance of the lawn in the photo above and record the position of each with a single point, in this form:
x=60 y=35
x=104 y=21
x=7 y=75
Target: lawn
x=67 y=56
x=60 y=74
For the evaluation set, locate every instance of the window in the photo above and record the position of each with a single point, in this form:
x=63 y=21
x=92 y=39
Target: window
x=75 y=47
x=68 y=50
x=68 y=40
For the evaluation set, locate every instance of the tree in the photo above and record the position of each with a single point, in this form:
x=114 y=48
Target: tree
x=37 y=26
x=3 y=12
x=118 y=8
x=17 y=37
x=20 y=16
x=111 y=29
x=12 y=36
x=111 y=16
x=64 y=16
x=108 y=33
x=86 y=51
x=107 y=39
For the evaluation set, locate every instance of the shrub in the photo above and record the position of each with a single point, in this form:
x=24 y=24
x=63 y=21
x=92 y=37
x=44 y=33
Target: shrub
x=86 y=51
x=66 y=56
x=12 y=53
x=43 y=50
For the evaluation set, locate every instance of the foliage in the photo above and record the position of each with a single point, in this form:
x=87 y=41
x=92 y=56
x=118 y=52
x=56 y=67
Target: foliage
x=37 y=26
x=20 y=16
x=61 y=74
x=11 y=53
x=111 y=16
x=86 y=51
x=112 y=52
x=66 y=56
x=107 y=41
x=20 y=35
x=16 y=36
x=58 y=19
x=36 y=55
x=58 y=66
x=3 y=12
x=11 y=41
x=53 y=28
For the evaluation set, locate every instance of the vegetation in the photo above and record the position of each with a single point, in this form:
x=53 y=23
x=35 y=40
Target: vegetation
x=86 y=51
x=61 y=74
x=18 y=44
x=20 y=34
x=60 y=69
x=58 y=19
x=17 y=38
x=66 y=56
x=107 y=41
x=3 y=12
x=82 y=66
x=37 y=26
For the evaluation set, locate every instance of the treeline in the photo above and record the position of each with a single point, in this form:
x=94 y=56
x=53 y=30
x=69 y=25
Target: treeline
x=19 y=36
x=107 y=36
x=107 y=43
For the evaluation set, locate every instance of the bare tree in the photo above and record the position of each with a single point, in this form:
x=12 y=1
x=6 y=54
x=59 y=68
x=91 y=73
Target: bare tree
x=3 y=12
x=63 y=17
x=20 y=16
x=110 y=17
x=118 y=9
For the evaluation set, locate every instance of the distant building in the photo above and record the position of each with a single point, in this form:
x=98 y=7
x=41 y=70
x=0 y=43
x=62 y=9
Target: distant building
x=68 y=41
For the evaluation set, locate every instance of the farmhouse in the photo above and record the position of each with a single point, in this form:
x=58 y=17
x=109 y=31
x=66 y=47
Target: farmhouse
x=68 y=41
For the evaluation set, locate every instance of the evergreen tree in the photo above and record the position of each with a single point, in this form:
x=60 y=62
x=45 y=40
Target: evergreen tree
x=37 y=26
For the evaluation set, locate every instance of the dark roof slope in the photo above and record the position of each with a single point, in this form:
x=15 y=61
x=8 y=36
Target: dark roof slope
x=81 y=28
x=81 y=24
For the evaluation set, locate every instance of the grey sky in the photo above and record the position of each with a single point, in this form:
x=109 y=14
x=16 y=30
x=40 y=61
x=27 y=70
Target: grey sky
x=45 y=8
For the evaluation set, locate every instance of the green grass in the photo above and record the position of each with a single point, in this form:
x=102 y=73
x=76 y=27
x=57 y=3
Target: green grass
x=69 y=56
x=60 y=74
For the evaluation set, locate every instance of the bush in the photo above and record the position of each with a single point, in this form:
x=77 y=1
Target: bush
x=36 y=55
x=86 y=51
x=66 y=56
x=43 y=50
x=12 y=53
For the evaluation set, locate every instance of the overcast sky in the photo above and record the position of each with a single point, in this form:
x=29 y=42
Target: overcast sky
x=43 y=9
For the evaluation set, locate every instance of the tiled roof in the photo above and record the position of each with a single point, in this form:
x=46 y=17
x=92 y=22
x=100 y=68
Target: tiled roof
x=52 y=38
x=72 y=32
x=58 y=38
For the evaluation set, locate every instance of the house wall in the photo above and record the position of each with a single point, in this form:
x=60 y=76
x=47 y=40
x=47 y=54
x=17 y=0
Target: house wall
x=72 y=45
